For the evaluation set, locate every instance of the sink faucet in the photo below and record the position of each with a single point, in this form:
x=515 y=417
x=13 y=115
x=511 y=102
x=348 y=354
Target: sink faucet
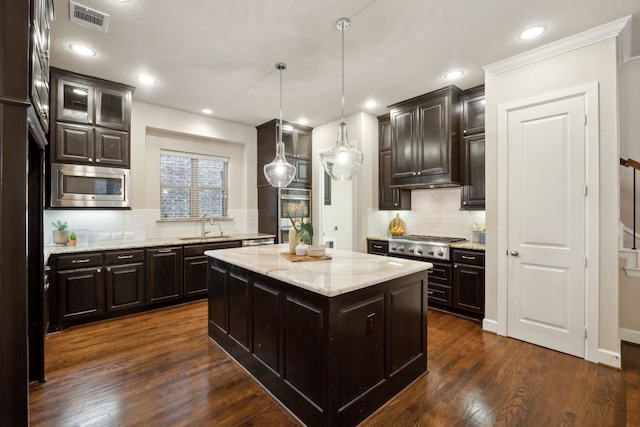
x=204 y=217
x=205 y=232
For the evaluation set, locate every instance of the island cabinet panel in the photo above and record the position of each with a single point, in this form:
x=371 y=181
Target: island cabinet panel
x=239 y=309
x=362 y=345
x=266 y=325
x=303 y=354
x=218 y=297
x=405 y=324
x=330 y=360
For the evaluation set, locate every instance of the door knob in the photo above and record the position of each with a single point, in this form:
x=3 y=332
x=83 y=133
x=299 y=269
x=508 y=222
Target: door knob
x=514 y=253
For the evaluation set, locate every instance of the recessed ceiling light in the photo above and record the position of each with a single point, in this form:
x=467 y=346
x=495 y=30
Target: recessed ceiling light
x=532 y=32
x=82 y=50
x=452 y=75
x=148 y=80
x=207 y=111
x=302 y=121
x=371 y=103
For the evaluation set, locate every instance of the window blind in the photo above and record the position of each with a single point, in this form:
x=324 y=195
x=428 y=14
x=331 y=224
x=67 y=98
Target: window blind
x=192 y=185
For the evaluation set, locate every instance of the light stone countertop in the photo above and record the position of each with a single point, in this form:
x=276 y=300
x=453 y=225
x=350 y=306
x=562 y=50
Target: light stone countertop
x=468 y=245
x=148 y=243
x=345 y=272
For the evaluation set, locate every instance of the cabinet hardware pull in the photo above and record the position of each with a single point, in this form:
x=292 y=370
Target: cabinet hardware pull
x=429 y=292
x=165 y=250
x=80 y=261
x=377 y=246
x=468 y=257
x=108 y=268
x=125 y=256
x=455 y=265
x=99 y=270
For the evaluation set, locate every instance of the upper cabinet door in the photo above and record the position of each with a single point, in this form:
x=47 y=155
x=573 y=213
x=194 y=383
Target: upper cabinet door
x=113 y=108
x=473 y=111
x=74 y=101
x=403 y=157
x=303 y=144
x=433 y=137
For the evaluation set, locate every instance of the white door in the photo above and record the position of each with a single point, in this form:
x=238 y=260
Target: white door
x=546 y=224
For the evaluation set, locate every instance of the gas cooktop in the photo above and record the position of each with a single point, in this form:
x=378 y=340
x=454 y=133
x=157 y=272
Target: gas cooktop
x=418 y=246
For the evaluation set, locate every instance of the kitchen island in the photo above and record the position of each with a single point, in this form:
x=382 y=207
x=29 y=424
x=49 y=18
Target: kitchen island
x=332 y=339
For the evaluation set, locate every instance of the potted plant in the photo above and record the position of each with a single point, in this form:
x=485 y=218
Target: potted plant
x=60 y=235
x=72 y=239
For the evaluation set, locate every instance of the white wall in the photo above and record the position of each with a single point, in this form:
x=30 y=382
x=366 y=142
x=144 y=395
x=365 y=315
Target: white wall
x=629 y=148
x=153 y=128
x=594 y=63
x=352 y=198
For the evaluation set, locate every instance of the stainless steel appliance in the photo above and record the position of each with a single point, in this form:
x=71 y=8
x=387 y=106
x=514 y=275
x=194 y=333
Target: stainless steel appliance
x=258 y=242
x=422 y=247
x=78 y=186
x=294 y=202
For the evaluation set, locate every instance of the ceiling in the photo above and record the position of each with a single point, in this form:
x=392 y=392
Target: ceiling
x=221 y=54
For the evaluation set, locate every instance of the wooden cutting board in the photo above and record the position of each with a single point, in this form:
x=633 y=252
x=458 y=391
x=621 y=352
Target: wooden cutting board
x=299 y=258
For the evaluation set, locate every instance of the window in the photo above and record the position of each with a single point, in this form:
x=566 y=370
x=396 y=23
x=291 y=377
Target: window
x=192 y=185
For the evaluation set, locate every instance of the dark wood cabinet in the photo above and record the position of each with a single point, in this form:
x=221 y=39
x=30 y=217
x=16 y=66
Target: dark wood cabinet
x=92 y=120
x=195 y=266
x=330 y=360
x=389 y=198
x=468 y=281
x=80 y=287
x=124 y=277
x=440 y=284
x=163 y=274
x=425 y=144
x=41 y=16
x=378 y=247
x=473 y=146
x=297 y=146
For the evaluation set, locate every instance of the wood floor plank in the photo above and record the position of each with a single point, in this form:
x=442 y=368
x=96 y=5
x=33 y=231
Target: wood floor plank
x=160 y=369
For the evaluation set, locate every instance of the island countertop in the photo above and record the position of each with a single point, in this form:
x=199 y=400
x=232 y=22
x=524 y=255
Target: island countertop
x=345 y=272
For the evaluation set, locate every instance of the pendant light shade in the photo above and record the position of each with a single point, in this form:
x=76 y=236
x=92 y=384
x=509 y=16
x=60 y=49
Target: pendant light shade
x=280 y=172
x=342 y=162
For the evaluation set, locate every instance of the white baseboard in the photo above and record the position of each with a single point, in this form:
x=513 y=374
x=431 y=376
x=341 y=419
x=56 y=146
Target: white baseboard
x=629 y=335
x=490 y=325
x=609 y=358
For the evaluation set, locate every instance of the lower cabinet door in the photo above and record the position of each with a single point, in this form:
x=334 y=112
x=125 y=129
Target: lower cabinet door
x=125 y=286
x=164 y=274
x=468 y=283
x=195 y=275
x=81 y=293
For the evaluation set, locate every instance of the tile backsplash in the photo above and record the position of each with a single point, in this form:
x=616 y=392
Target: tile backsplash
x=139 y=224
x=433 y=212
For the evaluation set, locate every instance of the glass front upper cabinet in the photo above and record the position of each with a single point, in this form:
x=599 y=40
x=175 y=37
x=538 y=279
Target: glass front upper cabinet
x=76 y=102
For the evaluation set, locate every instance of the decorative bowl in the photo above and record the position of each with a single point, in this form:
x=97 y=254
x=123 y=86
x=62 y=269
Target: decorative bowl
x=316 y=250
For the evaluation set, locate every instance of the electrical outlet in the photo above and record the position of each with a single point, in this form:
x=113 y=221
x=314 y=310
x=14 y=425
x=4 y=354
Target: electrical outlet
x=105 y=236
x=371 y=323
x=117 y=236
x=130 y=235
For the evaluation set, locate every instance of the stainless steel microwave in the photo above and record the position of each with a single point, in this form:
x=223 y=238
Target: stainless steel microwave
x=77 y=186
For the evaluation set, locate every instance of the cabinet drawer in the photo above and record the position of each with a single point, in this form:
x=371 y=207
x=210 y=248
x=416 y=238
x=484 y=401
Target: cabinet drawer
x=468 y=257
x=379 y=247
x=197 y=250
x=123 y=257
x=71 y=262
x=440 y=273
x=439 y=294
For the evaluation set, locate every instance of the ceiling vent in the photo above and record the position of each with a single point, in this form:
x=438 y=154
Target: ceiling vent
x=88 y=17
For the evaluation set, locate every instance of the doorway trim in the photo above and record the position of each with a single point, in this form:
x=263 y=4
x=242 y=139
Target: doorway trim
x=590 y=94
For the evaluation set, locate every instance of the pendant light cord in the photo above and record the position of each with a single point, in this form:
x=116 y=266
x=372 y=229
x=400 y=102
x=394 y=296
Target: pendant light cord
x=342 y=116
x=280 y=131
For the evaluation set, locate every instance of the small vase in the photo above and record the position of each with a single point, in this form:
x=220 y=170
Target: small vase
x=73 y=242
x=294 y=239
x=301 y=249
x=60 y=237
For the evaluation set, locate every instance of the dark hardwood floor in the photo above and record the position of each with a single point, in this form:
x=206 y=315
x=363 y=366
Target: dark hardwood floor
x=160 y=369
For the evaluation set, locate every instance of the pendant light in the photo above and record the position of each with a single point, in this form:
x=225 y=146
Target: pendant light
x=279 y=172
x=342 y=162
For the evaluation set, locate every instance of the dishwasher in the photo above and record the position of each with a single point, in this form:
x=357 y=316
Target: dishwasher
x=258 y=242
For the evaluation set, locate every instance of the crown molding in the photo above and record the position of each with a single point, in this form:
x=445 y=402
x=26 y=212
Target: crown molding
x=620 y=28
